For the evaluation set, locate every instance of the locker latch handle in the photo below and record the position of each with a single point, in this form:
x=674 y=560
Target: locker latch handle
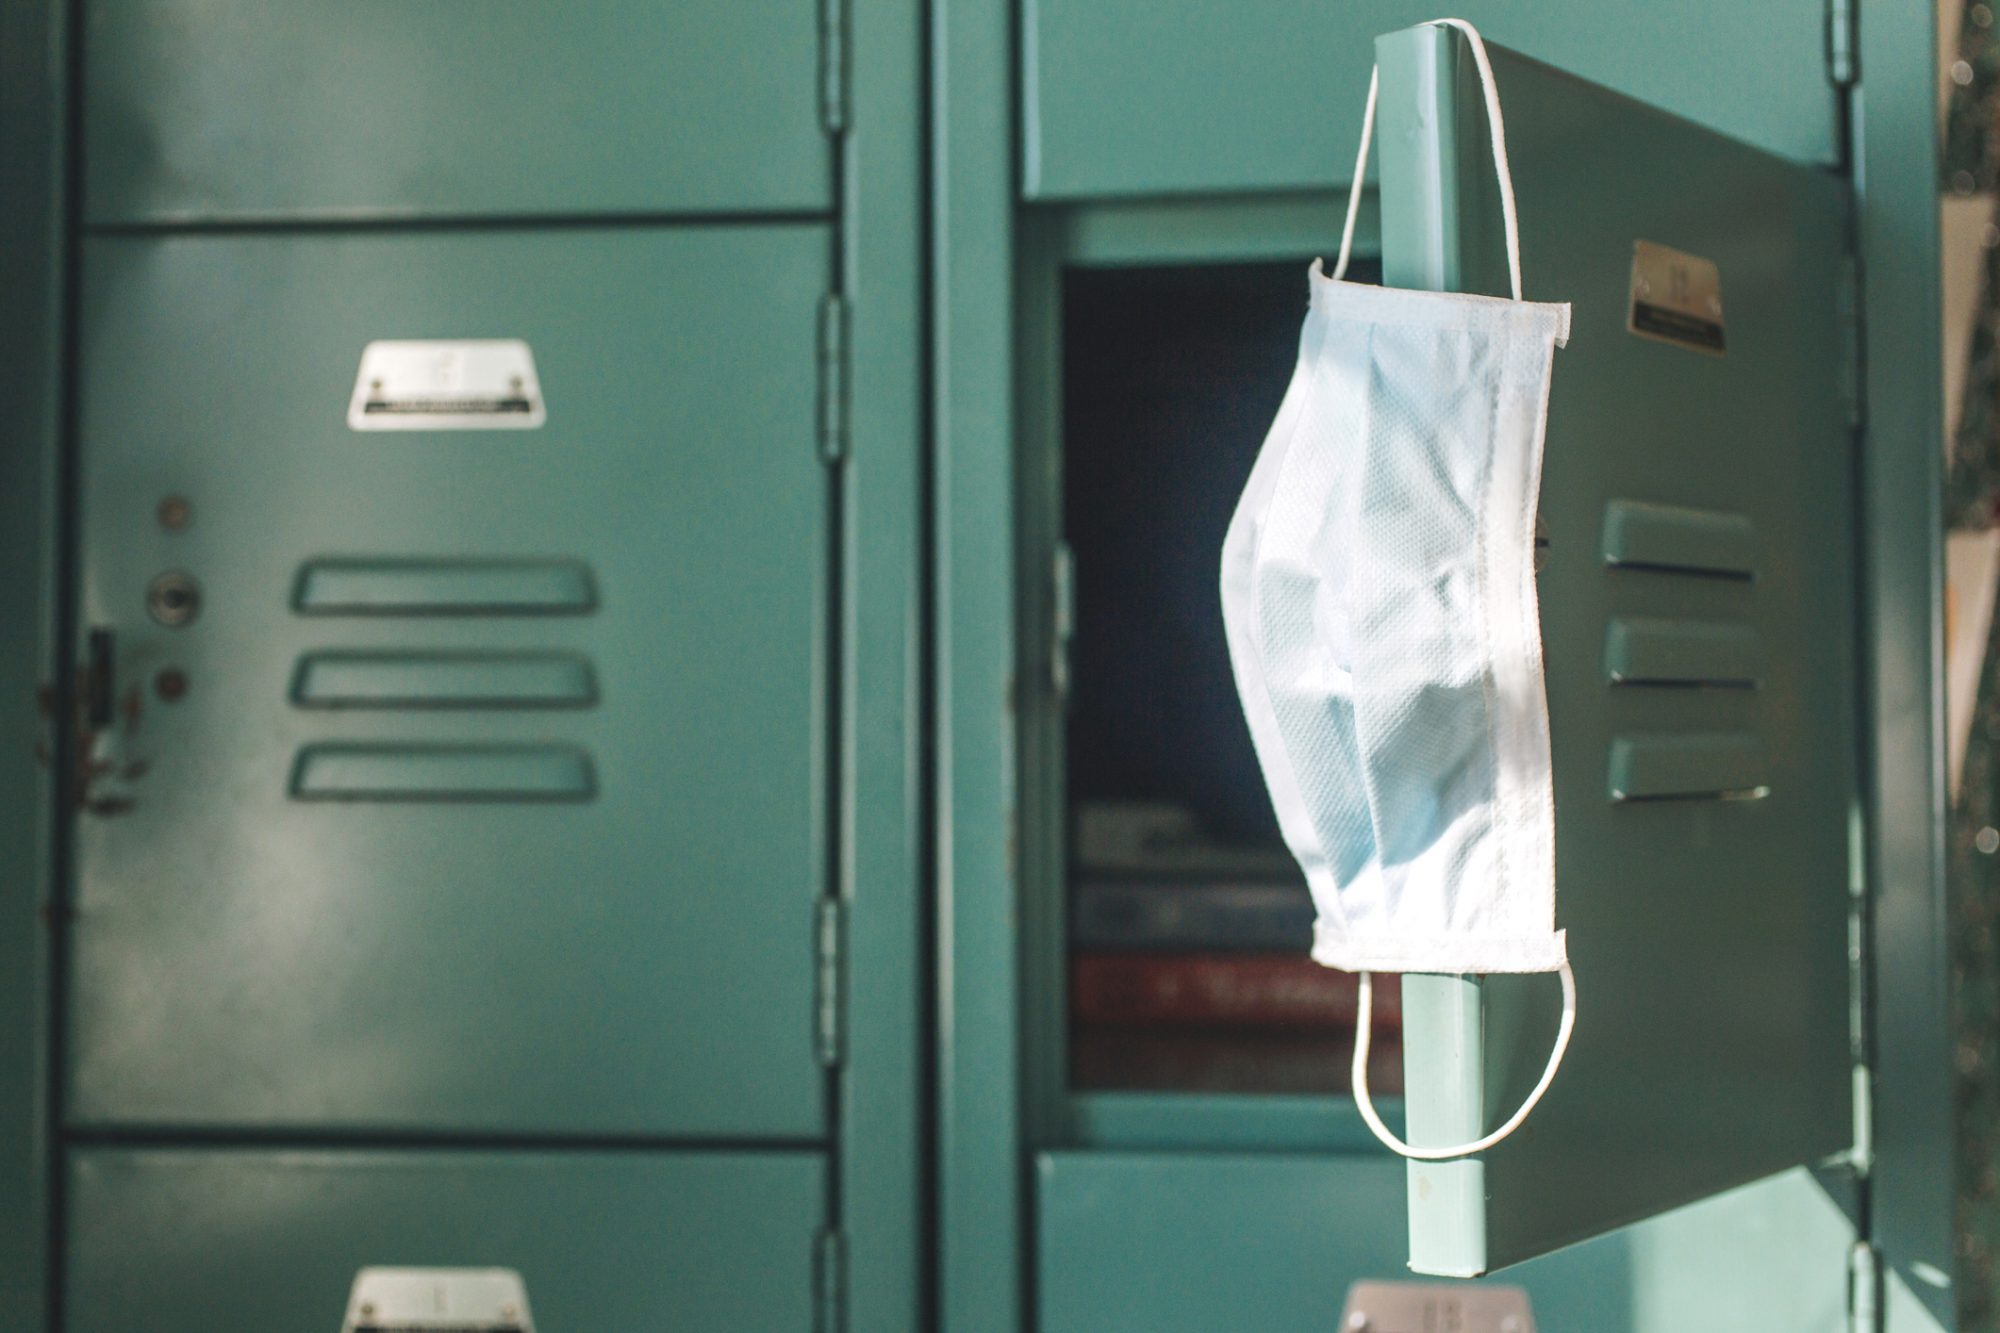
x=100 y=680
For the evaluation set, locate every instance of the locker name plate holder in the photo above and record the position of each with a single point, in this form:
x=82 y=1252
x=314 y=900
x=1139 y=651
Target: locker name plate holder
x=436 y=384
x=1435 y=1307
x=438 y=1300
x=1676 y=298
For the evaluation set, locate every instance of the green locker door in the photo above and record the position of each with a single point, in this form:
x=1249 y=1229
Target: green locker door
x=1697 y=603
x=195 y=1240
x=483 y=788
x=341 y=110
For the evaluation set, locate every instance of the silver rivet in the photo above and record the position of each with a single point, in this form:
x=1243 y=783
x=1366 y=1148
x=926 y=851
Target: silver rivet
x=1963 y=182
x=1961 y=72
x=1987 y=840
x=1358 y=1322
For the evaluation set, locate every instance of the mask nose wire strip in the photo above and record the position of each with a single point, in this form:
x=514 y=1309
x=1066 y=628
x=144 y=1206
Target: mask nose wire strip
x=1381 y=1131
x=1509 y=219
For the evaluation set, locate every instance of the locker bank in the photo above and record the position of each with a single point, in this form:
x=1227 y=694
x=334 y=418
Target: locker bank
x=615 y=713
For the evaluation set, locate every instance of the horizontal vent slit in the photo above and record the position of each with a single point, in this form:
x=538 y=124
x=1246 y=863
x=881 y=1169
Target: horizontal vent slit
x=1735 y=794
x=1716 y=766
x=1686 y=653
x=444 y=680
x=356 y=587
x=1673 y=540
x=1684 y=571
x=362 y=771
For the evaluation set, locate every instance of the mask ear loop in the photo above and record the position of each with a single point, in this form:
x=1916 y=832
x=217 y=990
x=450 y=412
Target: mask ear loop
x=1498 y=129
x=1362 y=1021
x=1360 y=171
x=1511 y=222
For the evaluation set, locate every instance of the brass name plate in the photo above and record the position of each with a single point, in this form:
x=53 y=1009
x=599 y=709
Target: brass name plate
x=1676 y=298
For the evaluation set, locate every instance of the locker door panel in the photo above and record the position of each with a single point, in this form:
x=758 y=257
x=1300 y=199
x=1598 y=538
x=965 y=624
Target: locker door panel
x=1130 y=97
x=483 y=789
x=1194 y=1242
x=1696 y=609
x=192 y=1240
x=195 y=109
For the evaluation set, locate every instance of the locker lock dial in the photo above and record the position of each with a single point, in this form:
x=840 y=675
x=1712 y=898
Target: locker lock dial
x=173 y=598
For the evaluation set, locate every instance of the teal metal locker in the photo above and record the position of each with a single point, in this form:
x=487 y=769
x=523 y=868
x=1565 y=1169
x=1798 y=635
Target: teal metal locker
x=475 y=816
x=357 y=883
x=197 y=112
x=174 y=1239
x=1160 y=142
x=1698 y=612
x=245 y=189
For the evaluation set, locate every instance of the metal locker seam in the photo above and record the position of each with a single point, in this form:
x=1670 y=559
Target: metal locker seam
x=830 y=1281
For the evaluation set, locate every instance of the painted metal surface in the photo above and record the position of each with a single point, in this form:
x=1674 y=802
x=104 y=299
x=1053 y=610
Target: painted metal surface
x=973 y=155
x=979 y=1210
x=185 y=1240
x=33 y=58
x=595 y=113
x=493 y=917
x=1896 y=178
x=1708 y=931
x=347 y=109
x=882 y=1105
x=1127 y=97
x=1271 y=1241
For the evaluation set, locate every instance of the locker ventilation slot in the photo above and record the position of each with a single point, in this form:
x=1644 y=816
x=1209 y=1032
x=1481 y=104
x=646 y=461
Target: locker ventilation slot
x=444 y=680
x=351 y=587
x=1711 y=542
x=1663 y=651
x=1720 y=766
x=360 y=771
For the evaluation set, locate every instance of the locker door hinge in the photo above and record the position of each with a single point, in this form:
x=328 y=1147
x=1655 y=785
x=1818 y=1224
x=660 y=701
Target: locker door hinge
x=829 y=1282
x=1860 y=1047
x=833 y=378
x=833 y=65
x=1848 y=311
x=1864 y=1289
x=830 y=965
x=1840 y=34
x=1062 y=619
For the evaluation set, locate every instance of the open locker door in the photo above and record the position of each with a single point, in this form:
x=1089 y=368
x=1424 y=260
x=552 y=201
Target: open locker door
x=1697 y=594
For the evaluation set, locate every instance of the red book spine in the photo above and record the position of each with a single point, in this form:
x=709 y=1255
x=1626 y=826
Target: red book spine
x=1241 y=989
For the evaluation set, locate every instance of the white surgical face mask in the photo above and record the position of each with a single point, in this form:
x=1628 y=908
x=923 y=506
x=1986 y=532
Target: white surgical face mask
x=1378 y=594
